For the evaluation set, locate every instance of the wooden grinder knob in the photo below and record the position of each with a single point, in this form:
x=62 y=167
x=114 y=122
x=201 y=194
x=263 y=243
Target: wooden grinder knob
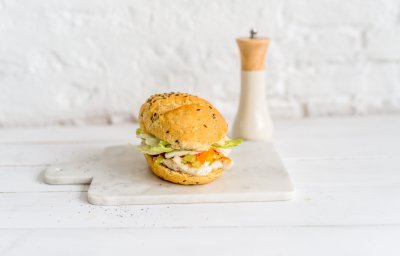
x=253 y=51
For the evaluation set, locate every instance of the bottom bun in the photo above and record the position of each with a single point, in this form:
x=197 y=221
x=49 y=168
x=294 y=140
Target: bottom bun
x=166 y=173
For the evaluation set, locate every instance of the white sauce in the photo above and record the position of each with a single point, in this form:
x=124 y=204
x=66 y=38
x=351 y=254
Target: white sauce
x=176 y=164
x=180 y=153
x=224 y=151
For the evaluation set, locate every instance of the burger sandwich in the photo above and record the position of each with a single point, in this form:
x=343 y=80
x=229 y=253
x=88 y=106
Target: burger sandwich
x=183 y=138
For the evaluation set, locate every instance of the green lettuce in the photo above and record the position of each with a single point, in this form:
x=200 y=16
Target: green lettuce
x=230 y=143
x=152 y=145
x=155 y=150
x=159 y=160
x=189 y=158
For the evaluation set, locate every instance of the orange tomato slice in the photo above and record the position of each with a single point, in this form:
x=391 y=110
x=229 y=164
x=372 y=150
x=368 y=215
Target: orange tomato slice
x=208 y=156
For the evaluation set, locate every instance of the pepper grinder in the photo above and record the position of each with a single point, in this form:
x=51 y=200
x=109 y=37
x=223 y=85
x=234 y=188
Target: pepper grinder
x=253 y=121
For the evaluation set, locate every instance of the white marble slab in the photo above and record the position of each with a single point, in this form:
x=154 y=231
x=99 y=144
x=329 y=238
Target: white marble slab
x=120 y=176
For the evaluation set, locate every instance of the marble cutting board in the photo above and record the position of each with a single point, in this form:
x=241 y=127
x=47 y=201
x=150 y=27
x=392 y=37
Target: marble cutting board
x=120 y=176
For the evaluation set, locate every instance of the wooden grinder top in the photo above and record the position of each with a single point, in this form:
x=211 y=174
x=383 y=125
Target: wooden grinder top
x=253 y=51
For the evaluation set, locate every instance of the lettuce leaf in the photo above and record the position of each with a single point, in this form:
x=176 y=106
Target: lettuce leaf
x=188 y=159
x=230 y=143
x=159 y=160
x=152 y=145
x=154 y=150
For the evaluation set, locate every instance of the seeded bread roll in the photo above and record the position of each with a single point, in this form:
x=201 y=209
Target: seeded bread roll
x=179 y=177
x=183 y=120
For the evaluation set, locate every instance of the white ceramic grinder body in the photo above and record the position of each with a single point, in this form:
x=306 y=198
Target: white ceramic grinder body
x=253 y=121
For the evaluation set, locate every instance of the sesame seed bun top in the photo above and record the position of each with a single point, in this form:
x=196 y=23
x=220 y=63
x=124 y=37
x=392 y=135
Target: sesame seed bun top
x=183 y=120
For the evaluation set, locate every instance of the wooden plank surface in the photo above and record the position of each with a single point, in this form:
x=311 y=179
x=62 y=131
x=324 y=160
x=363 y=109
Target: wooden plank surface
x=333 y=173
x=29 y=179
x=63 y=135
x=327 y=241
x=346 y=171
x=42 y=154
x=346 y=127
x=379 y=205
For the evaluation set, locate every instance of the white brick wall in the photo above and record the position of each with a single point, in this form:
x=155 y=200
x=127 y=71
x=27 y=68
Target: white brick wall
x=90 y=61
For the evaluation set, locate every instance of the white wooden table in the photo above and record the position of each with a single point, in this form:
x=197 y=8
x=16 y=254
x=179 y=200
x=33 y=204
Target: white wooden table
x=346 y=172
